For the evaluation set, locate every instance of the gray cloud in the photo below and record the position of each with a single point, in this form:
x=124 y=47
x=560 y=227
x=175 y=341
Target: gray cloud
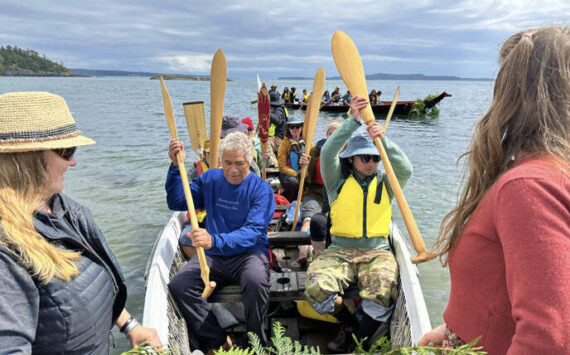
x=274 y=37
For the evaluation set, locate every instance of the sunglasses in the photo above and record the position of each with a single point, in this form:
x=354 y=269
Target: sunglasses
x=295 y=126
x=65 y=153
x=366 y=158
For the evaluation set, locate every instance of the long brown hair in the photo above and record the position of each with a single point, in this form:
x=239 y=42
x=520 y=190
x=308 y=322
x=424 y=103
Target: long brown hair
x=22 y=192
x=529 y=115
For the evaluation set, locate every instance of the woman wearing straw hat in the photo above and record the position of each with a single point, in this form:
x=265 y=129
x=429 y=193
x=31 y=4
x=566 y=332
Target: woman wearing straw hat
x=62 y=288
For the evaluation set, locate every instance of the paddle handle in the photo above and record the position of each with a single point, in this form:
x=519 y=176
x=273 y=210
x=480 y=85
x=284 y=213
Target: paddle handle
x=169 y=114
x=299 y=195
x=204 y=269
x=409 y=220
x=392 y=107
x=263 y=162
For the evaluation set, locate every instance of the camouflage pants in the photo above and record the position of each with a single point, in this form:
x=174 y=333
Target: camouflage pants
x=375 y=271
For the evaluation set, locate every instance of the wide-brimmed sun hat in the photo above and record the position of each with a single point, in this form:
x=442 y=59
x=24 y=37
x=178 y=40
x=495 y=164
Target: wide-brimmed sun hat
x=359 y=143
x=232 y=123
x=294 y=119
x=37 y=121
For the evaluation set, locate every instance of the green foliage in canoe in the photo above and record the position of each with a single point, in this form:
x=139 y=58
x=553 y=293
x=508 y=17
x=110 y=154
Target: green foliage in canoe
x=419 y=108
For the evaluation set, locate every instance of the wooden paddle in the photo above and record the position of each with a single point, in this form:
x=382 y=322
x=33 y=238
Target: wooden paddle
x=258 y=87
x=263 y=122
x=392 y=107
x=217 y=92
x=196 y=123
x=309 y=129
x=349 y=66
x=204 y=269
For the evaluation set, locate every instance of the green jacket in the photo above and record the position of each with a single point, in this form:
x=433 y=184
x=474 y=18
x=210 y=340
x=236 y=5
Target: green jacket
x=332 y=176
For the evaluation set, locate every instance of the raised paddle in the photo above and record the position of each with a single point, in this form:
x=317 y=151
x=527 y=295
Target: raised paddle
x=392 y=107
x=196 y=123
x=309 y=129
x=349 y=66
x=217 y=92
x=263 y=121
x=204 y=269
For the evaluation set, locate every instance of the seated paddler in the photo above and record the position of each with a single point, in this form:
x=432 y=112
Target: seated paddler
x=239 y=206
x=360 y=196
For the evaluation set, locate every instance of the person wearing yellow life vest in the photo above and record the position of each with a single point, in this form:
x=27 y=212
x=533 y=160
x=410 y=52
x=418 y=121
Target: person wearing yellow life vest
x=290 y=151
x=305 y=96
x=360 y=198
x=286 y=94
x=292 y=95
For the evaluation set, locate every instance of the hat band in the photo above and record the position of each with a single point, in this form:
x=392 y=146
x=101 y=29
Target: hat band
x=67 y=131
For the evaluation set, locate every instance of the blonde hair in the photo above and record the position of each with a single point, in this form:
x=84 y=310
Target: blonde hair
x=332 y=126
x=22 y=181
x=529 y=115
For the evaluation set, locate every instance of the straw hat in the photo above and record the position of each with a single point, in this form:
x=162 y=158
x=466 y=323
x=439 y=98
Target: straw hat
x=37 y=121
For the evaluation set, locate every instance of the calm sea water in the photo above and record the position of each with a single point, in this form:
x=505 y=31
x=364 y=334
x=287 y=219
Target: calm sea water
x=121 y=178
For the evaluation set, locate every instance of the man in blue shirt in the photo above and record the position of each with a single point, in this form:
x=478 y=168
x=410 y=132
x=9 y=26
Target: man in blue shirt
x=239 y=206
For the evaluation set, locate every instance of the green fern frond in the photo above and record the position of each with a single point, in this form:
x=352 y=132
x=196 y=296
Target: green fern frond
x=143 y=349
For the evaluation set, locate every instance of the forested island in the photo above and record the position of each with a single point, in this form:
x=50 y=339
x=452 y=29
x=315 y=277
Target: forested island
x=16 y=61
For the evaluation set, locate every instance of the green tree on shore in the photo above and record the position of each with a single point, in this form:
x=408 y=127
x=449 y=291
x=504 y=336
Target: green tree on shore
x=18 y=61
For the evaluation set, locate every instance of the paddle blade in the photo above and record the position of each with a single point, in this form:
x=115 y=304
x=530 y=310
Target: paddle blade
x=168 y=113
x=217 y=91
x=313 y=108
x=349 y=66
x=196 y=123
x=263 y=114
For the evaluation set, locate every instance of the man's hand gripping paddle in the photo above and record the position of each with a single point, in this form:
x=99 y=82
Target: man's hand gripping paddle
x=204 y=269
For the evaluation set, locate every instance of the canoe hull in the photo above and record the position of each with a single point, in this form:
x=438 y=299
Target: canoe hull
x=409 y=322
x=402 y=107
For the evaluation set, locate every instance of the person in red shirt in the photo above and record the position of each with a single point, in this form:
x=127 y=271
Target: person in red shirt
x=507 y=242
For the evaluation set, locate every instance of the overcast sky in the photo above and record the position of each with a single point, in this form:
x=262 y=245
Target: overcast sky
x=276 y=38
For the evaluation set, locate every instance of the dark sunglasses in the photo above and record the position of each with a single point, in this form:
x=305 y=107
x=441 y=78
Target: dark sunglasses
x=293 y=126
x=66 y=153
x=366 y=158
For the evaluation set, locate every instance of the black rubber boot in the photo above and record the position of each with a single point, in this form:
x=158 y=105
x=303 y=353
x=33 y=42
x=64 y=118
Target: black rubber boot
x=343 y=341
x=366 y=329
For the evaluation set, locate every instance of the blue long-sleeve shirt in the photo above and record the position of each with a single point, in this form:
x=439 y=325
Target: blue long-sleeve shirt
x=238 y=215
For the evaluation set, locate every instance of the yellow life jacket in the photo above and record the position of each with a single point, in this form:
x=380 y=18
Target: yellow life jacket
x=286 y=96
x=272 y=126
x=357 y=213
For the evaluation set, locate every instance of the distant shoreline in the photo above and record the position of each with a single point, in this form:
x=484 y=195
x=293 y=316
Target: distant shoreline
x=183 y=77
x=51 y=75
x=383 y=76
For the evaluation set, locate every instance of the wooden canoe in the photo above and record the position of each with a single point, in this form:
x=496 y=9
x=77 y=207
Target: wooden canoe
x=401 y=108
x=409 y=322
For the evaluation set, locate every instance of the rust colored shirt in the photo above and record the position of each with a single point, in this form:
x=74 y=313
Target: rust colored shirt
x=510 y=268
